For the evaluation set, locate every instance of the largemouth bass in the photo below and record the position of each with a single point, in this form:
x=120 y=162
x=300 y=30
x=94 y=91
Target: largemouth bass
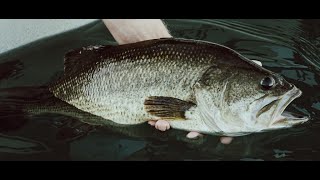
x=195 y=85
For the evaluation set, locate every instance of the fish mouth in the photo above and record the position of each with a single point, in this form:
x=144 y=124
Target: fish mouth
x=280 y=117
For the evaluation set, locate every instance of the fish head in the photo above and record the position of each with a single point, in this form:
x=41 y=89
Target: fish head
x=236 y=99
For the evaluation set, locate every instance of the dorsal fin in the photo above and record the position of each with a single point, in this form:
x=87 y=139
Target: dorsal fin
x=78 y=58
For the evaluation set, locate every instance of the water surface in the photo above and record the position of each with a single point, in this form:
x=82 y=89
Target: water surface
x=288 y=47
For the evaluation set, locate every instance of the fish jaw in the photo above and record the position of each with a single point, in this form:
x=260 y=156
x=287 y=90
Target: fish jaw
x=280 y=118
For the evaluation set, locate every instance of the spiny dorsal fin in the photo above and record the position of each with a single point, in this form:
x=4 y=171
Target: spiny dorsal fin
x=167 y=107
x=79 y=58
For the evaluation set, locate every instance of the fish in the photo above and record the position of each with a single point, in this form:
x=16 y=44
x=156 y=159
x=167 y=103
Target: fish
x=195 y=85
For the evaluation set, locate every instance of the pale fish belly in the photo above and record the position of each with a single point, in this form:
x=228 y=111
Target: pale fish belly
x=126 y=107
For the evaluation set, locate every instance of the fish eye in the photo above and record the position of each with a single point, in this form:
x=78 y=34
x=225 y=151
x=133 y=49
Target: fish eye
x=267 y=83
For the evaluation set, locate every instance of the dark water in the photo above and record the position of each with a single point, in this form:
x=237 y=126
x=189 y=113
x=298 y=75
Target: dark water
x=288 y=47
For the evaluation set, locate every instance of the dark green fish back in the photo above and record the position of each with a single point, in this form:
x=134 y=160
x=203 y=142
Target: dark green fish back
x=85 y=59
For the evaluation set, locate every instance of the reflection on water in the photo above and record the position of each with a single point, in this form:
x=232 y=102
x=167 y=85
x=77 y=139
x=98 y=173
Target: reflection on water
x=288 y=47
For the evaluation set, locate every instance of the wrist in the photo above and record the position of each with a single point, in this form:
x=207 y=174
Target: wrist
x=133 y=30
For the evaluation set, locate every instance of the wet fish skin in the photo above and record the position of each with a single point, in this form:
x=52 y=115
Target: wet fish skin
x=222 y=87
x=129 y=74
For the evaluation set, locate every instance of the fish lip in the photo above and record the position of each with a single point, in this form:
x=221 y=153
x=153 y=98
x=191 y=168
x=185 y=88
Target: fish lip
x=267 y=105
x=279 y=115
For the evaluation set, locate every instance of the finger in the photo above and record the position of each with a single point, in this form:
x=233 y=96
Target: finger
x=226 y=140
x=193 y=134
x=152 y=123
x=162 y=125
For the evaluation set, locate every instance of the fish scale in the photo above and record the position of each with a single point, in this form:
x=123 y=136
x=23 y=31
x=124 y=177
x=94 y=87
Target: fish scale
x=216 y=85
x=121 y=79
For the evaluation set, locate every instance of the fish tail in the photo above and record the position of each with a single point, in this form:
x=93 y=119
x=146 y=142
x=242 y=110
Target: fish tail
x=15 y=101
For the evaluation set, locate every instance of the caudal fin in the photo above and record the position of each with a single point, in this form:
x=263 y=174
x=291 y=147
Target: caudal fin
x=15 y=101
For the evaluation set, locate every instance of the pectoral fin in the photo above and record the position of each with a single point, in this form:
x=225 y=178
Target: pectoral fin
x=168 y=108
